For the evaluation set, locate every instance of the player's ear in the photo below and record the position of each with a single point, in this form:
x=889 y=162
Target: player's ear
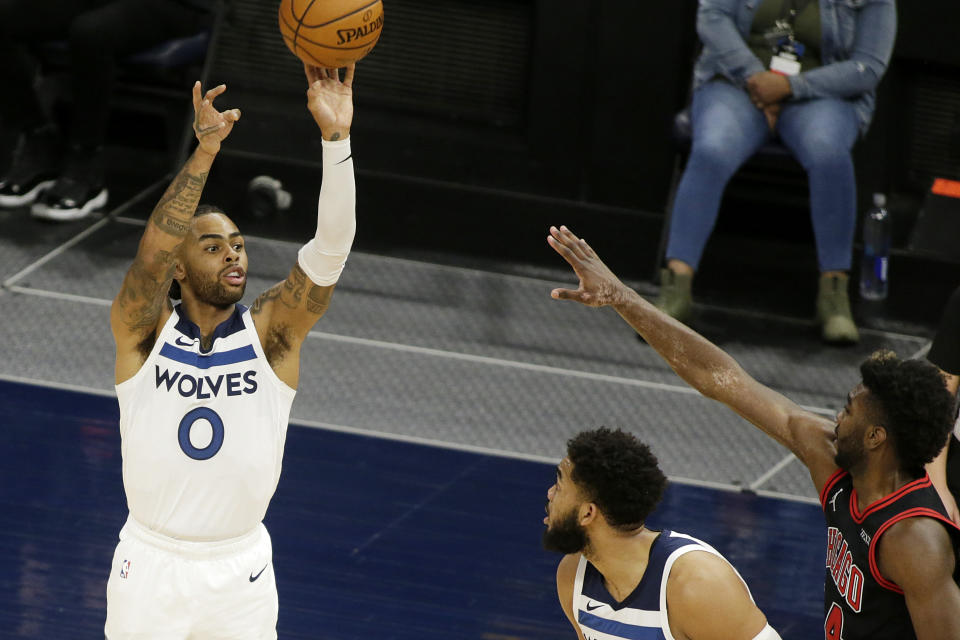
x=179 y=273
x=179 y=261
x=875 y=436
x=588 y=513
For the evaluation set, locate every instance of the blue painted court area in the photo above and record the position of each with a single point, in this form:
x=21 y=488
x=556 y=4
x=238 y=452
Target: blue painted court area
x=373 y=538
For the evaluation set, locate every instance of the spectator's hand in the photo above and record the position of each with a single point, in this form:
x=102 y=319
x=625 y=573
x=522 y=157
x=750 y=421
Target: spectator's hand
x=767 y=88
x=598 y=286
x=330 y=101
x=772 y=113
x=210 y=125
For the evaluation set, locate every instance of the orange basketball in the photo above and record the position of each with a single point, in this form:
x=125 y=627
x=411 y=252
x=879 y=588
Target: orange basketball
x=331 y=33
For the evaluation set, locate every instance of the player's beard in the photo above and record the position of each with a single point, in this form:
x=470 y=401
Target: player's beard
x=566 y=535
x=214 y=292
x=850 y=453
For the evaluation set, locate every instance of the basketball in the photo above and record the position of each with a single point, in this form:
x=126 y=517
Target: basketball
x=330 y=33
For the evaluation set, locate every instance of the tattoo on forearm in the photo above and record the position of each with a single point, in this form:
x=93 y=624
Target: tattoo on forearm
x=145 y=285
x=172 y=225
x=172 y=214
x=335 y=137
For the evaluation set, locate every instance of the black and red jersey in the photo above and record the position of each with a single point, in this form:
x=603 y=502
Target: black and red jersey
x=859 y=603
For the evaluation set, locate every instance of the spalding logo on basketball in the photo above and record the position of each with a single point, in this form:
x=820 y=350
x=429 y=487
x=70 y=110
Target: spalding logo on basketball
x=330 y=33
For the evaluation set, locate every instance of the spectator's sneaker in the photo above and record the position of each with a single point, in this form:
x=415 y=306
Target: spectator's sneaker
x=69 y=199
x=34 y=168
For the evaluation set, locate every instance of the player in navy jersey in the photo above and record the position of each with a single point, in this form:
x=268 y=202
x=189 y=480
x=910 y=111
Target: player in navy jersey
x=205 y=388
x=620 y=579
x=891 y=565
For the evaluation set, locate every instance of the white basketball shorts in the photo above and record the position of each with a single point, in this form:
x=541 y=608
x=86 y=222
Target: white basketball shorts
x=166 y=589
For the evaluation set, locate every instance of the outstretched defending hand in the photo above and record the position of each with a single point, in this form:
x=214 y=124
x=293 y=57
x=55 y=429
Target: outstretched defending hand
x=598 y=286
x=330 y=101
x=211 y=126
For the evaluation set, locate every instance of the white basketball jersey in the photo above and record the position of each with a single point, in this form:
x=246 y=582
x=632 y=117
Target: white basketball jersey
x=202 y=434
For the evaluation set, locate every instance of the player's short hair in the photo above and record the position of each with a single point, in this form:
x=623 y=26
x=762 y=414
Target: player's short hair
x=205 y=209
x=912 y=403
x=618 y=473
x=174 y=292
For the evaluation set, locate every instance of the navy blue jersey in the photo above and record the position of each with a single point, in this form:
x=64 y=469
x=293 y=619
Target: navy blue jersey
x=643 y=614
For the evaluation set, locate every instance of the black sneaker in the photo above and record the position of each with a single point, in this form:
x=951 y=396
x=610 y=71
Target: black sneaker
x=34 y=168
x=69 y=199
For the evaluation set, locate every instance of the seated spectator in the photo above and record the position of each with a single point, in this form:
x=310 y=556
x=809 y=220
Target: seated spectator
x=781 y=68
x=62 y=176
x=945 y=353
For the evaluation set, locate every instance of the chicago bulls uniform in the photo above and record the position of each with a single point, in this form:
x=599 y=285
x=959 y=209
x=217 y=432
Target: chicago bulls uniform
x=859 y=603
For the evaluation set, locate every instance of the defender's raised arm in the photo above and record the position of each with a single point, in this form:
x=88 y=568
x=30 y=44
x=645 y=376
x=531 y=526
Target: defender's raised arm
x=701 y=364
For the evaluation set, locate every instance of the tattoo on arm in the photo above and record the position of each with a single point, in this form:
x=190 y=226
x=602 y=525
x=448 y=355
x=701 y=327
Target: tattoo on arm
x=289 y=293
x=142 y=294
x=267 y=296
x=318 y=298
x=293 y=287
x=175 y=209
x=145 y=285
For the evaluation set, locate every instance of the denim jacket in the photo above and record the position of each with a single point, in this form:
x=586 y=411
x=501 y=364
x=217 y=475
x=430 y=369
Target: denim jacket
x=858 y=38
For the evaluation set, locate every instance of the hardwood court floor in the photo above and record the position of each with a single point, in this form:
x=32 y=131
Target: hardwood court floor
x=373 y=537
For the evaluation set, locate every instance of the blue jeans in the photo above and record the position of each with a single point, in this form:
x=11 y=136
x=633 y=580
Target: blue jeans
x=728 y=129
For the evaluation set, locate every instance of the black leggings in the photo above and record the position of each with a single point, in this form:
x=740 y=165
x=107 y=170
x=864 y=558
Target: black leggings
x=99 y=33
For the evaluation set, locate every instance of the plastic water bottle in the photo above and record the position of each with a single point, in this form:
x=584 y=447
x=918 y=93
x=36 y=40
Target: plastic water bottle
x=876 y=250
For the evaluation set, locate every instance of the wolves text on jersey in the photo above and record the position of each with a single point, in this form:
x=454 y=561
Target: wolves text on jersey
x=203 y=387
x=845 y=573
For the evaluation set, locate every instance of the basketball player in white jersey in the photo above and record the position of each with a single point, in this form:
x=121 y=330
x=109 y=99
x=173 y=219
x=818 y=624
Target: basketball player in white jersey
x=205 y=388
x=621 y=580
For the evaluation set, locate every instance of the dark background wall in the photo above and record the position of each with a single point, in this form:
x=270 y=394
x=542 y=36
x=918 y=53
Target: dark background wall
x=514 y=114
x=568 y=100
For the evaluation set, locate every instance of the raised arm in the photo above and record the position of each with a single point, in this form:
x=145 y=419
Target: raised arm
x=700 y=363
x=285 y=313
x=141 y=306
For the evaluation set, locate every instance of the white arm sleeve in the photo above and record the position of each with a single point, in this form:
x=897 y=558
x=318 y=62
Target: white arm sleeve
x=322 y=258
x=767 y=633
